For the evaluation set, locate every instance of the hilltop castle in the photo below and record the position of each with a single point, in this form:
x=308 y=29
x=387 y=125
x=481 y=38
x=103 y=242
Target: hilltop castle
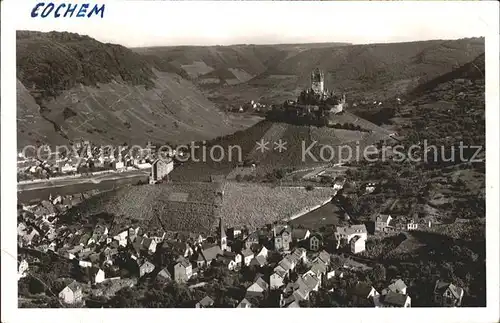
x=317 y=81
x=315 y=105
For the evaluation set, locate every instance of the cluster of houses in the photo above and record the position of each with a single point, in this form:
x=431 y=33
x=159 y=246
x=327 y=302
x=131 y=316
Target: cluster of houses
x=251 y=106
x=395 y=294
x=93 y=158
x=100 y=253
x=375 y=103
x=383 y=224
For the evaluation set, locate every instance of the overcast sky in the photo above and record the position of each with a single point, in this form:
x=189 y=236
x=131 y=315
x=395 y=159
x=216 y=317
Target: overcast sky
x=163 y=23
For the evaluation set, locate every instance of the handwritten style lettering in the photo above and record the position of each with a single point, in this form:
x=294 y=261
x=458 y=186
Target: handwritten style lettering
x=67 y=10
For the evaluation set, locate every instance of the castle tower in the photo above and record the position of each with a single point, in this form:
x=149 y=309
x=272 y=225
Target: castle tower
x=317 y=81
x=222 y=236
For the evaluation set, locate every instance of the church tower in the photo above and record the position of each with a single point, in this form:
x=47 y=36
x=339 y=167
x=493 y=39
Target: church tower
x=222 y=236
x=317 y=81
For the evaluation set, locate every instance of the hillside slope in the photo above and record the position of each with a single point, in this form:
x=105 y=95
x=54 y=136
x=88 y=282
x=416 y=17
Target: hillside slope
x=449 y=108
x=73 y=87
x=363 y=71
x=211 y=66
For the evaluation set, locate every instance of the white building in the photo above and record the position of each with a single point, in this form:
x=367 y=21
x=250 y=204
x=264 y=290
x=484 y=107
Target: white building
x=349 y=232
x=71 y=294
x=23 y=269
x=67 y=168
x=411 y=226
x=357 y=245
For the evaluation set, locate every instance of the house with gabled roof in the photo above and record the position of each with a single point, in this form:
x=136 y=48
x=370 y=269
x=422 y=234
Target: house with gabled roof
x=392 y=299
x=318 y=270
x=196 y=238
x=282 y=238
x=301 y=254
x=236 y=257
x=300 y=234
x=263 y=252
x=205 y=302
x=247 y=255
x=301 y=293
x=363 y=290
x=181 y=248
x=182 y=270
x=210 y=253
x=357 y=245
x=244 y=304
x=324 y=256
x=382 y=222
x=71 y=294
x=121 y=237
x=286 y=264
x=253 y=238
x=96 y=275
x=259 y=261
x=258 y=288
x=448 y=294
x=276 y=280
x=164 y=275
x=200 y=261
x=107 y=255
x=315 y=241
x=32 y=237
x=292 y=258
x=146 y=268
x=396 y=286
x=149 y=245
x=312 y=282
x=348 y=232
x=227 y=262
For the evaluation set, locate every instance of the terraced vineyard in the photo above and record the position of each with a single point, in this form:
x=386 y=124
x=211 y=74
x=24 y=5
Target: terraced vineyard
x=275 y=132
x=330 y=136
x=295 y=137
x=256 y=204
x=172 y=207
x=196 y=206
x=201 y=171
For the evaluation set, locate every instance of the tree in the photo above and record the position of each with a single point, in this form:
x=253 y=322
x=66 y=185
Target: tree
x=379 y=273
x=126 y=298
x=158 y=298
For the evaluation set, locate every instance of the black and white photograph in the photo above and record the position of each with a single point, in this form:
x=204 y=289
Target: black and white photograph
x=258 y=154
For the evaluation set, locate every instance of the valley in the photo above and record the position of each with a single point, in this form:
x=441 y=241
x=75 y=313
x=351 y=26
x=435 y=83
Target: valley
x=335 y=221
